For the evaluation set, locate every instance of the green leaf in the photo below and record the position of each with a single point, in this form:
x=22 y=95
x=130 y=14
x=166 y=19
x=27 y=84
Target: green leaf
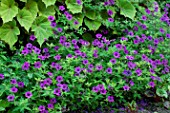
x=23 y=0
x=79 y=18
x=126 y=8
x=91 y=14
x=8 y=10
x=73 y=6
x=46 y=11
x=25 y=18
x=92 y=24
x=4 y=103
x=42 y=29
x=32 y=7
x=9 y=33
x=161 y=92
x=49 y=2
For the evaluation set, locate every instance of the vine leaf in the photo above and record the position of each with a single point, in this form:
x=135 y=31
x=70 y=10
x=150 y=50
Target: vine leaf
x=32 y=7
x=9 y=32
x=8 y=10
x=126 y=8
x=73 y=6
x=92 y=24
x=42 y=29
x=49 y=2
x=25 y=19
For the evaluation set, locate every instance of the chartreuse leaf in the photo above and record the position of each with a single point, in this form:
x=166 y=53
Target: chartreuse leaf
x=42 y=29
x=32 y=7
x=49 y=2
x=78 y=17
x=23 y=0
x=43 y=11
x=9 y=32
x=73 y=6
x=92 y=24
x=126 y=8
x=91 y=14
x=8 y=10
x=25 y=19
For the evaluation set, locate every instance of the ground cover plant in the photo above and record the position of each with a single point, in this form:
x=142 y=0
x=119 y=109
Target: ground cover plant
x=87 y=56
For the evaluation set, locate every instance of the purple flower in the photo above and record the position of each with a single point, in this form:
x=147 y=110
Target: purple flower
x=144 y=17
x=162 y=30
x=110 y=98
x=51 y=18
x=69 y=17
x=61 y=8
x=90 y=66
x=113 y=61
x=109 y=70
x=50 y=106
x=95 y=89
x=138 y=72
x=77 y=70
x=21 y=84
x=57 y=91
x=98 y=35
x=144 y=27
x=85 y=62
x=26 y=66
x=59 y=29
x=53 y=100
x=126 y=88
x=152 y=84
x=131 y=33
x=79 y=2
x=110 y=19
x=41 y=108
x=147 y=11
x=53 y=24
x=29 y=45
x=168 y=35
x=110 y=12
x=131 y=83
x=127 y=72
x=99 y=67
x=37 y=64
x=131 y=65
x=57 y=57
x=59 y=79
x=37 y=51
x=119 y=46
x=13 y=81
x=103 y=91
x=28 y=94
x=64 y=87
x=50 y=74
x=76 y=22
x=116 y=54
x=14 y=90
x=1 y=76
x=32 y=37
x=10 y=98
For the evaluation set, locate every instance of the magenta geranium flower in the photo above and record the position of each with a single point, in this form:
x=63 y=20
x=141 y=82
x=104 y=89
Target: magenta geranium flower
x=28 y=94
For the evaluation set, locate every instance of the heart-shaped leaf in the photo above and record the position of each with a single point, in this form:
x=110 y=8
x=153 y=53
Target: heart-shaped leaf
x=92 y=24
x=49 y=2
x=25 y=18
x=9 y=32
x=126 y=8
x=32 y=7
x=42 y=29
x=73 y=6
x=8 y=10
